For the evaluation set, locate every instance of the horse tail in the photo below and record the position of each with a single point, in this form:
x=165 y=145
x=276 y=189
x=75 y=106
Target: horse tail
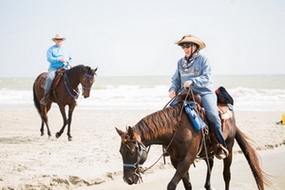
x=36 y=101
x=261 y=178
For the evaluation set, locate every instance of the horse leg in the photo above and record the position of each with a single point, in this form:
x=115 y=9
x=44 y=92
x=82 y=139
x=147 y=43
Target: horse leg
x=227 y=170
x=181 y=173
x=69 y=122
x=42 y=128
x=209 y=171
x=62 y=111
x=186 y=181
x=45 y=120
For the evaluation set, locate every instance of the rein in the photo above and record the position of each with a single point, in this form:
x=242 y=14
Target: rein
x=66 y=82
x=142 y=148
x=203 y=134
x=69 y=88
x=164 y=151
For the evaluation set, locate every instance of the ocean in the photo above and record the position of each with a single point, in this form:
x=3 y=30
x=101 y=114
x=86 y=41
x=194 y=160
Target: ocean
x=250 y=92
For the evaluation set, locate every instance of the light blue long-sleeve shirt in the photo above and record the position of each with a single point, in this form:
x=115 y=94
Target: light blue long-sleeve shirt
x=54 y=54
x=199 y=72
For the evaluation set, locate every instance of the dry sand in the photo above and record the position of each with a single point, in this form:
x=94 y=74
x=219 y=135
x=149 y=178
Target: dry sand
x=92 y=160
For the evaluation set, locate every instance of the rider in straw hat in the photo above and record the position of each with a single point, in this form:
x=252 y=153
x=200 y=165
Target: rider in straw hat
x=193 y=71
x=58 y=57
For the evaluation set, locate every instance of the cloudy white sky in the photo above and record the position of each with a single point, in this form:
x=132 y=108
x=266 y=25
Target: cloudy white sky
x=136 y=37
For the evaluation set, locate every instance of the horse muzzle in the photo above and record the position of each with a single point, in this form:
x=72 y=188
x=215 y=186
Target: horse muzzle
x=85 y=94
x=131 y=180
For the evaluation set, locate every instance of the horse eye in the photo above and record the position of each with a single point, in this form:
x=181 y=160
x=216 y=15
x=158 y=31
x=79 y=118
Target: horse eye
x=132 y=152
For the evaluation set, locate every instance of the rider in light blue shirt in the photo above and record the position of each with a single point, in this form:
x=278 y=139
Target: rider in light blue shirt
x=58 y=57
x=193 y=71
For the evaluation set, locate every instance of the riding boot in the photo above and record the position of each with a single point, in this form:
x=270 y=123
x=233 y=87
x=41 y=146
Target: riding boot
x=44 y=100
x=222 y=152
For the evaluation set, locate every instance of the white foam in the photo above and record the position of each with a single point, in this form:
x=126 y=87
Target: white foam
x=151 y=97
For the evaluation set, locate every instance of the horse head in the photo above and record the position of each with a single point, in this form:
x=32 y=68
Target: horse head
x=133 y=153
x=87 y=80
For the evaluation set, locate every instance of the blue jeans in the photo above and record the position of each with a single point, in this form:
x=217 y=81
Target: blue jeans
x=49 y=79
x=209 y=102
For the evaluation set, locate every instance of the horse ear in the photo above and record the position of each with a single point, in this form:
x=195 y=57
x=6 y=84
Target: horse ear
x=131 y=132
x=94 y=71
x=120 y=132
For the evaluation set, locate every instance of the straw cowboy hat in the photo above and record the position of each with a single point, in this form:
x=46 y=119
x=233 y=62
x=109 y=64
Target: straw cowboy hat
x=58 y=36
x=189 y=38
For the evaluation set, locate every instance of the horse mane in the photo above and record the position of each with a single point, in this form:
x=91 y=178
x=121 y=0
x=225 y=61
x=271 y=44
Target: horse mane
x=159 y=123
x=76 y=69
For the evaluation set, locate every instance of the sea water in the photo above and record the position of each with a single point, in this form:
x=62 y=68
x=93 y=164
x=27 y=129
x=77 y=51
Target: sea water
x=250 y=92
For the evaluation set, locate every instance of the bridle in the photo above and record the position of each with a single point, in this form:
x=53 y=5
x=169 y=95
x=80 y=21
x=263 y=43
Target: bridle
x=70 y=89
x=90 y=77
x=141 y=148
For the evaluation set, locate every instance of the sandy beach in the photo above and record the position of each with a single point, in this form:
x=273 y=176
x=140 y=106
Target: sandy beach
x=92 y=160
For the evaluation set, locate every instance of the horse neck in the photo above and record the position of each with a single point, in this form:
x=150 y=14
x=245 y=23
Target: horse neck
x=150 y=141
x=163 y=139
x=73 y=79
x=158 y=128
x=158 y=141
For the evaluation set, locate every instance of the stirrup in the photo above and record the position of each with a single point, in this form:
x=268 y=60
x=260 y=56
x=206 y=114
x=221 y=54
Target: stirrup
x=224 y=150
x=44 y=101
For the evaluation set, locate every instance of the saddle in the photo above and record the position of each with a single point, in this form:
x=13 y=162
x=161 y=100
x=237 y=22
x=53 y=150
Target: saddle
x=224 y=105
x=55 y=81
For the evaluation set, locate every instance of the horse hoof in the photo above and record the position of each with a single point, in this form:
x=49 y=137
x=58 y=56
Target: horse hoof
x=57 y=135
x=69 y=138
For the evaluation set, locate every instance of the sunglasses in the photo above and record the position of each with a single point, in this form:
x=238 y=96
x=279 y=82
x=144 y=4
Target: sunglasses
x=58 y=39
x=186 y=46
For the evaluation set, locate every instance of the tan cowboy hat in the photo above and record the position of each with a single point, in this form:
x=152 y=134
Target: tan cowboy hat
x=58 y=36
x=189 y=38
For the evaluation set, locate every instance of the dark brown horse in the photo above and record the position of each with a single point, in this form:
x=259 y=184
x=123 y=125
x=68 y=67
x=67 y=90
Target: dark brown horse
x=172 y=128
x=65 y=93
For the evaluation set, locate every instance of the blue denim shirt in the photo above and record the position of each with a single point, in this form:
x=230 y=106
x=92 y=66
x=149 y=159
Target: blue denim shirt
x=198 y=70
x=54 y=54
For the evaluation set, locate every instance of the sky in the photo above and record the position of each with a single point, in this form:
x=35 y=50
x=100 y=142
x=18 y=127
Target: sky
x=136 y=37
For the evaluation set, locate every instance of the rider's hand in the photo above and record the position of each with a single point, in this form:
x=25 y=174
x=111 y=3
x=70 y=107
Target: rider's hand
x=172 y=94
x=62 y=60
x=187 y=83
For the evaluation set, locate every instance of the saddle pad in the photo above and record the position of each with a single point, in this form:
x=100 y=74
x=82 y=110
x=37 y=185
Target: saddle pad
x=224 y=111
x=42 y=80
x=194 y=117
